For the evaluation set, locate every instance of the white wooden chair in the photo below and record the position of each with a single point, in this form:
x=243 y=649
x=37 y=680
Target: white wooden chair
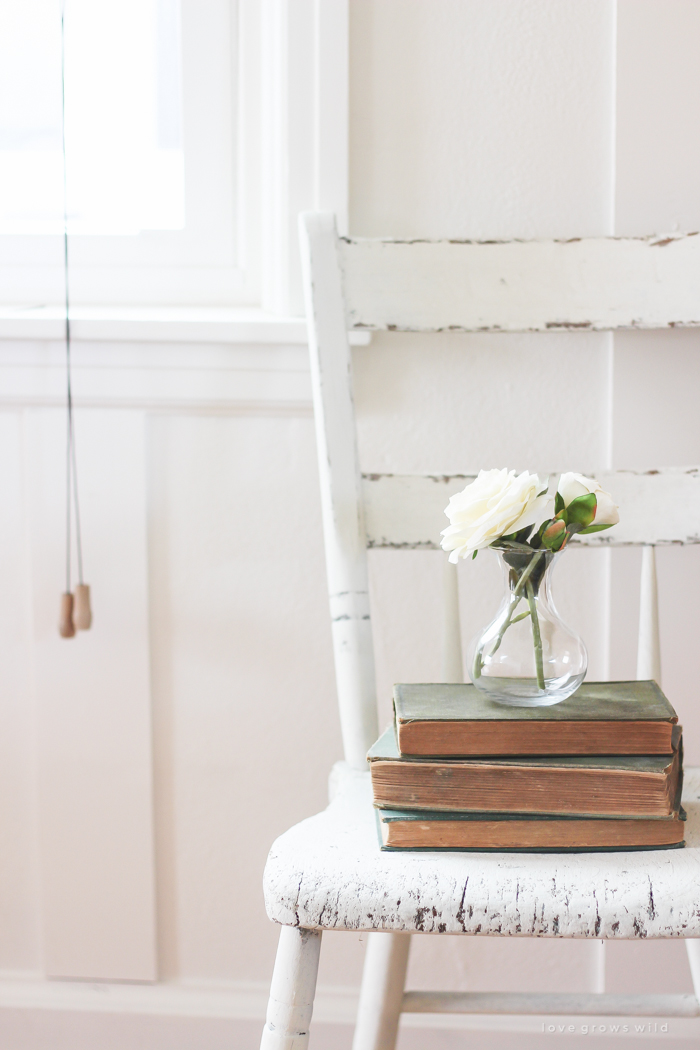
x=328 y=872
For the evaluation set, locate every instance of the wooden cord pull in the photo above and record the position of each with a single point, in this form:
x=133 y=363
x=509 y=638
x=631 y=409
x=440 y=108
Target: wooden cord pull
x=66 y=627
x=82 y=613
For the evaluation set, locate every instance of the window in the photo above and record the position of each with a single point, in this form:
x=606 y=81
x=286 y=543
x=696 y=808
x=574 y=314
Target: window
x=125 y=168
x=196 y=130
x=152 y=145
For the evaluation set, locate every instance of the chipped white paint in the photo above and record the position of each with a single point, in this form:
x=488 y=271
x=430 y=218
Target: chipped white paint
x=292 y=991
x=523 y=286
x=658 y=507
x=329 y=873
x=343 y=532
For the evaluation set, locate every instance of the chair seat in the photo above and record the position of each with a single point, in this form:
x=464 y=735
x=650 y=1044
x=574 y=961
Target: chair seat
x=328 y=873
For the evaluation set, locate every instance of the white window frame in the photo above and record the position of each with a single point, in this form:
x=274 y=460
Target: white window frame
x=288 y=106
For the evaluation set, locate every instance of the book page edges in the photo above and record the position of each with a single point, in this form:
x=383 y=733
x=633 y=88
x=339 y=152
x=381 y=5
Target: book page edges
x=483 y=738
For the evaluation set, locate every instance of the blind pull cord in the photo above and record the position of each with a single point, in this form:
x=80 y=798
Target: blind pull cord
x=75 y=613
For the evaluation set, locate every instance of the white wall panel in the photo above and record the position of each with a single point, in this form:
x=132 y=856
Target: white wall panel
x=658 y=112
x=657 y=374
x=93 y=701
x=481 y=120
x=243 y=676
x=20 y=945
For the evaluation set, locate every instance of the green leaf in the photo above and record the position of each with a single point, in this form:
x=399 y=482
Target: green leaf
x=523 y=535
x=536 y=541
x=594 y=528
x=575 y=527
x=518 y=537
x=543 y=526
x=515 y=545
x=559 y=504
x=474 y=554
x=582 y=509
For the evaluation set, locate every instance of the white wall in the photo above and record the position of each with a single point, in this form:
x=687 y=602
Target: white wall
x=513 y=118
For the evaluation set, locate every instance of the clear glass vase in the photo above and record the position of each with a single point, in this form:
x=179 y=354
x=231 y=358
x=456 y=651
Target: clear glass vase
x=527 y=656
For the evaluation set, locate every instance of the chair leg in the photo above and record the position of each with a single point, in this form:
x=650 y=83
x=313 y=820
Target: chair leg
x=381 y=994
x=292 y=991
x=692 y=946
x=599 y=967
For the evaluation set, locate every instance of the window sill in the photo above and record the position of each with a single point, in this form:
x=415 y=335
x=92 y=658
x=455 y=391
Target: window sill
x=158 y=324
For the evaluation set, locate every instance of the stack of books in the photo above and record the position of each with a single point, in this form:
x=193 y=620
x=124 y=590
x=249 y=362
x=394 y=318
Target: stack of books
x=602 y=770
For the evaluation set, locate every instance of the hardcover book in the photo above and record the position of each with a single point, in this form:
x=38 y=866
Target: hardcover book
x=604 y=785
x=407 y=830
x=600 y=718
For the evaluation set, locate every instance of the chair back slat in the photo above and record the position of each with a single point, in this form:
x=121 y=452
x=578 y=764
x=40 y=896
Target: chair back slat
x=596 y=283
x=649 y=645
x=659 y=507
x=452 y=667
x=341 y=503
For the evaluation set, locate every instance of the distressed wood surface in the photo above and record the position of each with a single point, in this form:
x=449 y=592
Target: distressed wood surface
x=292 y=991
x=339 y=472
x=593 y=283
x=329 y=873
x=656 y=507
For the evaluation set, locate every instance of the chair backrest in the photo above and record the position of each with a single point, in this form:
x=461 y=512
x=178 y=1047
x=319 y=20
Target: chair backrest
x=517 y=286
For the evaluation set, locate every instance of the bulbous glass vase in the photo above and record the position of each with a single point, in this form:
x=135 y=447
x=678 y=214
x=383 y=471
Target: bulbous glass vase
x=527 y=656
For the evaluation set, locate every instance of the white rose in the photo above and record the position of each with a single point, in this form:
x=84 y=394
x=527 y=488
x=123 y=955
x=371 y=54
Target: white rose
x=494 y=505
x=572 y=485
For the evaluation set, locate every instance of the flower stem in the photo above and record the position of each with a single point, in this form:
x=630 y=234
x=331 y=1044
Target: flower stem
x=516 y=597
x=526 y=574
x=506 y=624
x=536 y=636
x=515 y=600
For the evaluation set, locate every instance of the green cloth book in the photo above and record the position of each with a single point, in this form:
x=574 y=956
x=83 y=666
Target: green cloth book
x=531 y=833
x=600 y=718
x=576 y=785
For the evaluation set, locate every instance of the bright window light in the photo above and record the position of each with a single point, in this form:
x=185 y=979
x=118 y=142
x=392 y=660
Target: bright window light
x=125 y=167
